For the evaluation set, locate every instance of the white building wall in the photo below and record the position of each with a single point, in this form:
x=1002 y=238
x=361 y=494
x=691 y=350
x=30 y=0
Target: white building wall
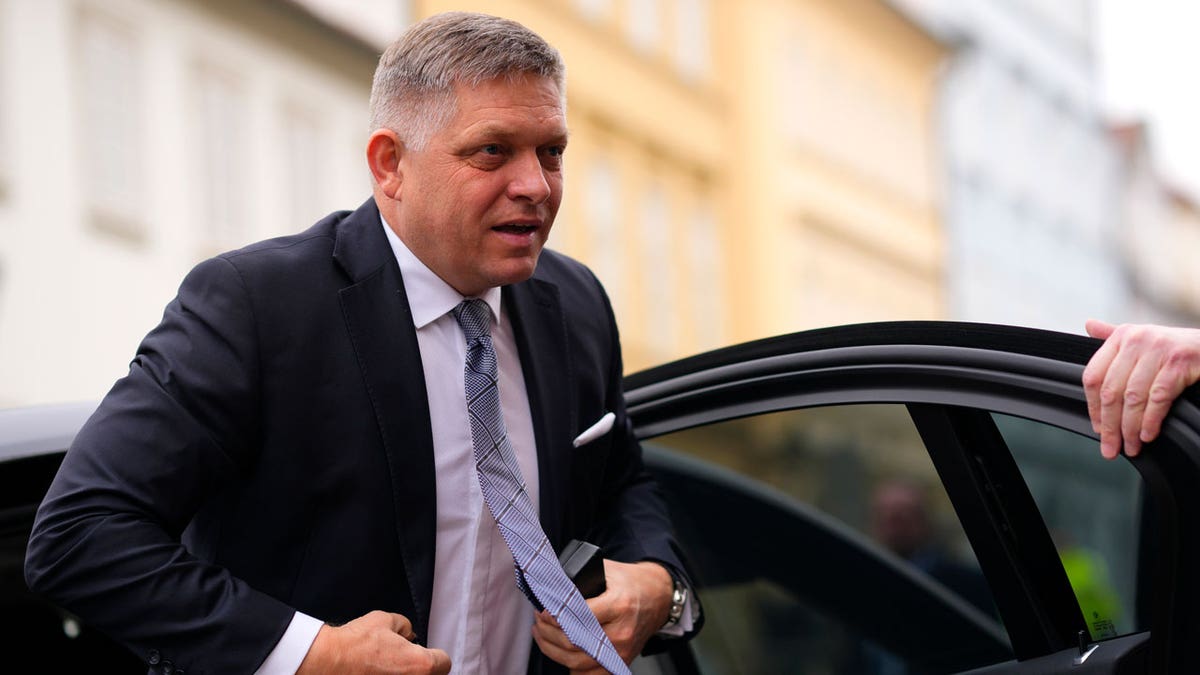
x=76 y=295
x=1159 y=243
x=1032 y=176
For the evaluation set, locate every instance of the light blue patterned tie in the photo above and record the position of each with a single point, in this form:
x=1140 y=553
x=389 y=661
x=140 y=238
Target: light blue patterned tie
x=537 y=568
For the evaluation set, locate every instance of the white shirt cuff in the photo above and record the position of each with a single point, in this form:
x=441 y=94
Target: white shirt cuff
x=289 y=653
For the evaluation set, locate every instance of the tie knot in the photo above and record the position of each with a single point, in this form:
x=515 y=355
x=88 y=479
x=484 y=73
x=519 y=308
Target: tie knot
x=474 y=318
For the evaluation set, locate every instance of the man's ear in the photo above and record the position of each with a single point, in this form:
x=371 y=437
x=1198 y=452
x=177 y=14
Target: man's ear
x=383 y=157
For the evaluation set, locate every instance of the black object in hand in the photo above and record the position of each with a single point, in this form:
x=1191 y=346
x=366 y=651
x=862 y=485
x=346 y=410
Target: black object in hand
x=585 y=566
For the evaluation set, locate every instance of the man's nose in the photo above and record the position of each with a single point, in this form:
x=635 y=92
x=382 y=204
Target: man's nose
x=528 y=180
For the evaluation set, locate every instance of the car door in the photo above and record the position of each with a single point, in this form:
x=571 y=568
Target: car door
x=769 y=453
x=32 y=444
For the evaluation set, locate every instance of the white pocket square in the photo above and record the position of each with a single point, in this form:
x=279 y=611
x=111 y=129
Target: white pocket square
x=601 y=427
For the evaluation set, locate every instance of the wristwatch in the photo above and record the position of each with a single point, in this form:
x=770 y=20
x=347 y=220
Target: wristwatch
x=678 y=598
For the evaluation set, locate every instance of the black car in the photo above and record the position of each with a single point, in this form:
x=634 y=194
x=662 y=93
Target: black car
x=915 y=497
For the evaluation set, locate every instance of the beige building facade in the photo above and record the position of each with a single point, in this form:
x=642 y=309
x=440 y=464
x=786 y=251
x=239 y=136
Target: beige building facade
x=736 y=169
x=743 y=169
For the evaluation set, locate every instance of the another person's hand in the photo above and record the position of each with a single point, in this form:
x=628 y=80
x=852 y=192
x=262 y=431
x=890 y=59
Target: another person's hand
x=1133 y=379
x=632 y=609
x=377 y=642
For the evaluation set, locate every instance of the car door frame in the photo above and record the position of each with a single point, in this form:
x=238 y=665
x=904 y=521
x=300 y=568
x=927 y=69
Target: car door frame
x=946 y=372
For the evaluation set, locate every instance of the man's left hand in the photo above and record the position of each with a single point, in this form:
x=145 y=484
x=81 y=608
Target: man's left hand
x=632 y=609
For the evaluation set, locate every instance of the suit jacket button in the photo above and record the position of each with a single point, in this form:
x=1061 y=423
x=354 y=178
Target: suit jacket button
x=155 y=657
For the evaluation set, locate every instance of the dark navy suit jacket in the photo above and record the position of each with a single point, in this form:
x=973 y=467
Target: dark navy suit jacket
x=270 y=451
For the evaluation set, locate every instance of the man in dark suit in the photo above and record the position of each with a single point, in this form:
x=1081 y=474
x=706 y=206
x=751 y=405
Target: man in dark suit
x=284 y=481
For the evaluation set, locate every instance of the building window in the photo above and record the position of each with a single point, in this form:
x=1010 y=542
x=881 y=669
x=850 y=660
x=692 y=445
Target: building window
x=604 y=251
x=804 y=81
x=223 y=119
x=110 y=97
x=645 y=24
x=707 y=281
x=692 y=45
x=303 y=141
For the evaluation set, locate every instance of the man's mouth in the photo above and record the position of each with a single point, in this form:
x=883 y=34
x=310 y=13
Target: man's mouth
x=515 y=228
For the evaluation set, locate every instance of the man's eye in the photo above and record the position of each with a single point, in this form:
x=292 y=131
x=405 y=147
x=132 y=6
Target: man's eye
x=556 y=150
x=492 y=149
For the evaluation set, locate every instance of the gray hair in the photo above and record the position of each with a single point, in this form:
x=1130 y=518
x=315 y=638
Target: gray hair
x=412 y=92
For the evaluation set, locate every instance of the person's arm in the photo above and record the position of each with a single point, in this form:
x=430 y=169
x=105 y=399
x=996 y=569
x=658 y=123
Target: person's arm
x=107 y=543
x=107 y=539
x=1134 y=377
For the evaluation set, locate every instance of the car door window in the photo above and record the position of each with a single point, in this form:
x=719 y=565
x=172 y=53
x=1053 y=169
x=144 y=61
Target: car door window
x=861 y=469
x=1093 y=511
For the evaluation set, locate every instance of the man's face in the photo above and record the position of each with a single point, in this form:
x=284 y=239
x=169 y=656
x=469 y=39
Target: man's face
x=900 y=521
x=477 y=202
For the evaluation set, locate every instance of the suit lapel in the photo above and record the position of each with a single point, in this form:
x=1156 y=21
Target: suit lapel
x=380 y=325
x=541 y=334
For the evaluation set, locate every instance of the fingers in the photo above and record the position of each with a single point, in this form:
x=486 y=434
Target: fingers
x=1106 y=383
x=439 y=662
x=1094 y=376
x=377 y=642
x=1133 y=404
x=395 y=623
x=1167 y=386
x=1099 y=329
x=555 y=645
x=546 y=630
x=402 y=626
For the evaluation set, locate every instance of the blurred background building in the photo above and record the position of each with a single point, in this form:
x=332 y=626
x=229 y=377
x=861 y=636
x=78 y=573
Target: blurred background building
x=737 y=169
x=1032 y=210
x=140 y=136
x=1162 y=232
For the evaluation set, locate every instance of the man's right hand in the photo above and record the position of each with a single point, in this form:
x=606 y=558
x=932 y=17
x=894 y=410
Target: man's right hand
x=377 y=642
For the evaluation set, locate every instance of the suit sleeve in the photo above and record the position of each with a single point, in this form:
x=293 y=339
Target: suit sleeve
x=106 y=542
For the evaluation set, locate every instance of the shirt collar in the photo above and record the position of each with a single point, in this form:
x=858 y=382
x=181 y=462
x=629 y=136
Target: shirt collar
x=429 y=297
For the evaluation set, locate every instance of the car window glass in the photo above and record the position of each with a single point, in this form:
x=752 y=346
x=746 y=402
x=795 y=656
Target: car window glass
x=1092 y=509
x=865 y=468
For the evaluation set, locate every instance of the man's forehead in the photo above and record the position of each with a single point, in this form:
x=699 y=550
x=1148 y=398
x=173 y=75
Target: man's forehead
x=510 y=82
x=501 y=108
x=503 y=125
